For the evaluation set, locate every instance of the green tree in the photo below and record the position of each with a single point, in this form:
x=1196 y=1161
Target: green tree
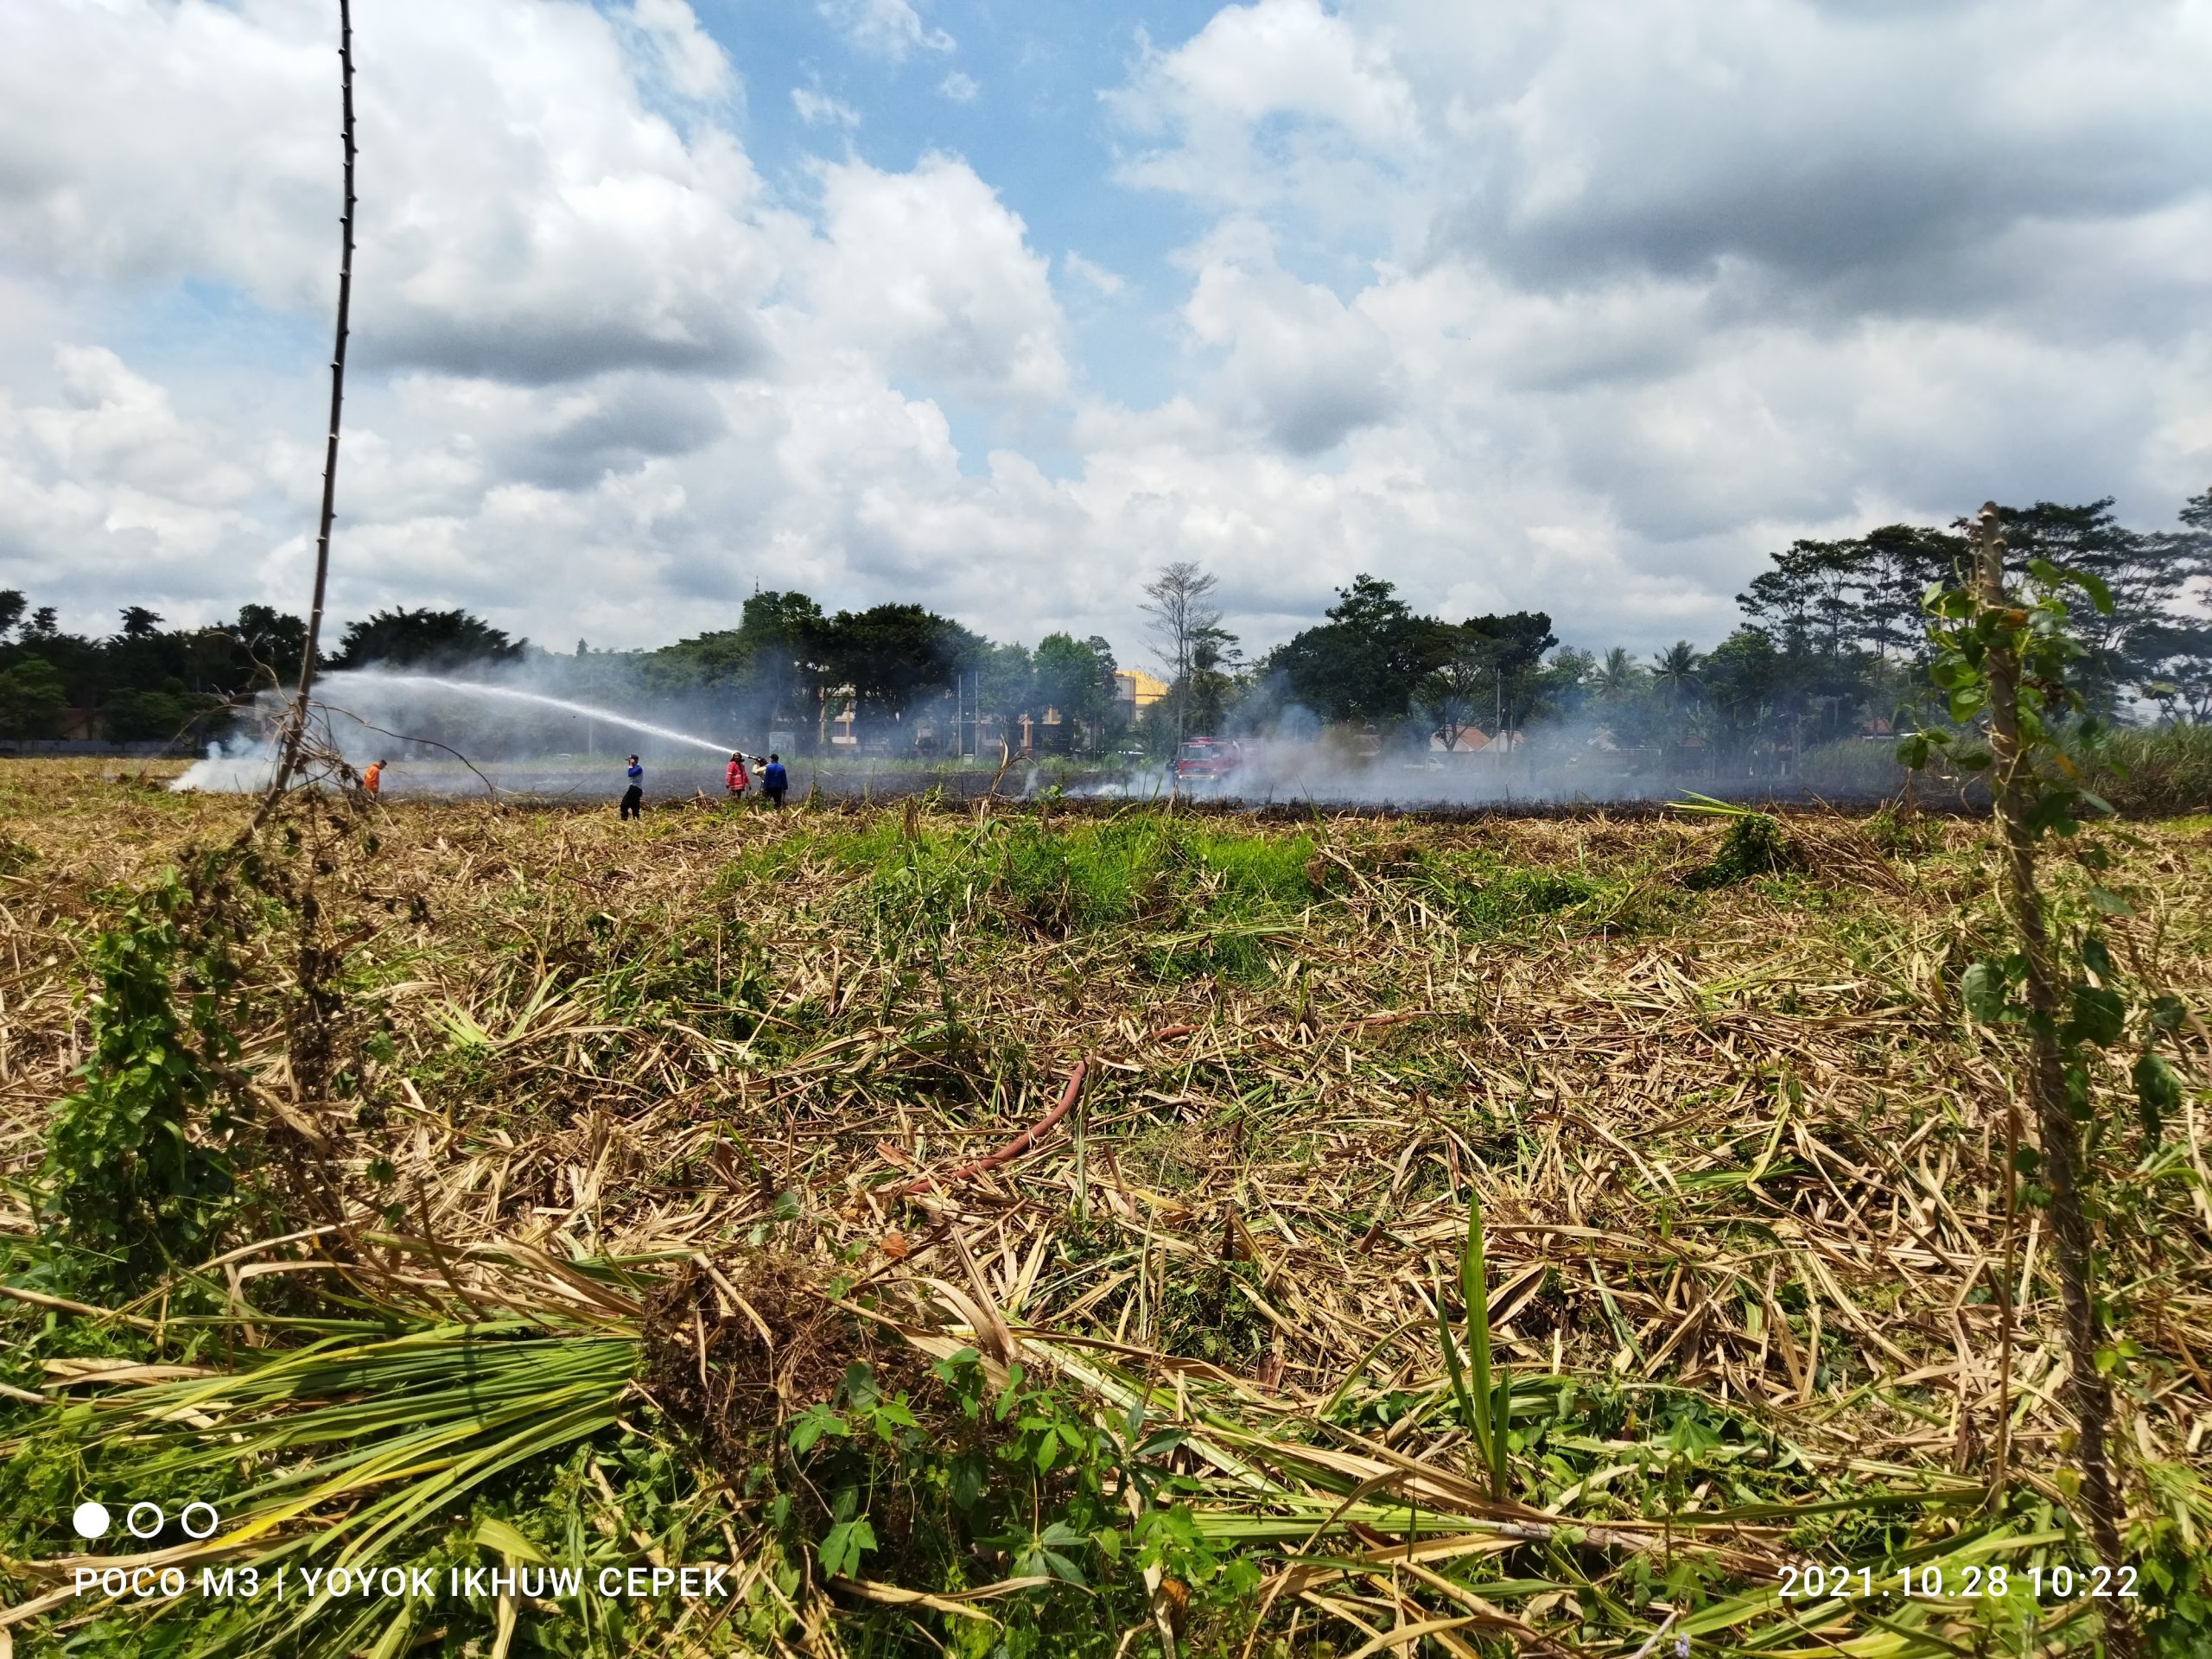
x=1674 y=671
x=2178 y=656
x=1217 y=665
x=1674 y=682
x=1806 y=600
x=267 y=644
x=1455 y=692
x=767 y=669
x=1008 y=685
x=31 y=699
x=1180 y=609
x=1617 y=677
x=1895 y=567
x=1740 y=678
x=1516 y=643
x=436 y=641
x=2174 y=654
x=161 y=713
x=1077 y=677
x=891 y=655
x=782 y=636
x=2145 y=574
x=1566 y=684
x=1368 y=660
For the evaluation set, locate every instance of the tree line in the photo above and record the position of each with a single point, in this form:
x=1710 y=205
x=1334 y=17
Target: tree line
x=1830 y=645
x=787 y=662
x=783 y=660
x=149 y=683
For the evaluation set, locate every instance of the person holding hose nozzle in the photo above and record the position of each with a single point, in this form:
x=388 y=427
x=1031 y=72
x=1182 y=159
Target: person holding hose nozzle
x=735 y=778
x=633 y=799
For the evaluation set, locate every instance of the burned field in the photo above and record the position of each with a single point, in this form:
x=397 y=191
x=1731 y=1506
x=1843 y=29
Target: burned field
x=998 y=1230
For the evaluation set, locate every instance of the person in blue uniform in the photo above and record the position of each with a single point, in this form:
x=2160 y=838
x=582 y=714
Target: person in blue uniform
x=633 y=799
x=774 y=780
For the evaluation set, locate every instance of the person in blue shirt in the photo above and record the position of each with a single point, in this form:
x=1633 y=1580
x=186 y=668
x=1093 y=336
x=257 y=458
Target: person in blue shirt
x=633 y=799
x=774 y=780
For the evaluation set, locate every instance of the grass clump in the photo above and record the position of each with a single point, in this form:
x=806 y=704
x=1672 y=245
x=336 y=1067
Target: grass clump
x=1488 y=897
x=2155 y=773
x=1207 y=1313
x=1754 y=844
x=1075 y=876
x=1895 y=833
x=1085 y=874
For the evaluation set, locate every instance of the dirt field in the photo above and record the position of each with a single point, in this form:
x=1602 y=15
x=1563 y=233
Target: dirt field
x=676 y=1128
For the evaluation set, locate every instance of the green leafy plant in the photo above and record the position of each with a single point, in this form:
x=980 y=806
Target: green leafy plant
x=2005 y=658
x=136 y=1160
x=1754 y=843
x=1481 y=1386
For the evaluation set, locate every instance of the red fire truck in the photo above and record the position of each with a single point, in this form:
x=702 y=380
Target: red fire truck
x=1208 y=762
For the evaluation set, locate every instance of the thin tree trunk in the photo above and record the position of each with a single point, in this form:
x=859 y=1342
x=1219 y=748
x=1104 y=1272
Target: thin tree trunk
x=2061 y=1139
x=295 y=724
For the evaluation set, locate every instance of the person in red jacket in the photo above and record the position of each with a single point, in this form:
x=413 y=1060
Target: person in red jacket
x=736 y=778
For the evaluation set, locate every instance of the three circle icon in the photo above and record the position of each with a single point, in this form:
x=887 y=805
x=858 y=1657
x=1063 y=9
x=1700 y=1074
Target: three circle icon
x=90 y=1520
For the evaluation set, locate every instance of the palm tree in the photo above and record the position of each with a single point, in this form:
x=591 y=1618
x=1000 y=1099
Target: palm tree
x=1675 y=668
x=1616 y=675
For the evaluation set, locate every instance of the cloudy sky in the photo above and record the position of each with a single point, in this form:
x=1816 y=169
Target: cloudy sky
x=998 y=304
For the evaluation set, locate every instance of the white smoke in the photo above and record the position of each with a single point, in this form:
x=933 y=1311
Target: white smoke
x=446 y=735
x=234 y=766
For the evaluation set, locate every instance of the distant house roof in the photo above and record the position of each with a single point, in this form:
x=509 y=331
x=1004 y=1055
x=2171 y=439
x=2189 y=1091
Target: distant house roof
x=1137 y=687
x=1468 y=737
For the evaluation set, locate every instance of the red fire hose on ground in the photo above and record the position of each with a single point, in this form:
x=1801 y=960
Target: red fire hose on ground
x=1012 y=1149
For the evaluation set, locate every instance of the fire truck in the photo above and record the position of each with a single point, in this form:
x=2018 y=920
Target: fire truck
x=1207 y=762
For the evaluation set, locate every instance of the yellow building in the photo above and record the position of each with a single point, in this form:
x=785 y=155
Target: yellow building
x=1136 y=691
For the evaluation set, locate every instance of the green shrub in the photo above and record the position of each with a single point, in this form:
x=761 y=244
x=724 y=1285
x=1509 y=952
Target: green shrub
x=135 y=1168
x=1755 y=845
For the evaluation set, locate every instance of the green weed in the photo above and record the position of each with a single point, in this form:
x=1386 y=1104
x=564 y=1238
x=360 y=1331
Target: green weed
x=136 y=1164
x=1206 y=1312
x=1755 y=844
x=1488 y=897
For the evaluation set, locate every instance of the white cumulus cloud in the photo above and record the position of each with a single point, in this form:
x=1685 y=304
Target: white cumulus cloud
x=818 y=108
x=1577 y=308
x=884 y=28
